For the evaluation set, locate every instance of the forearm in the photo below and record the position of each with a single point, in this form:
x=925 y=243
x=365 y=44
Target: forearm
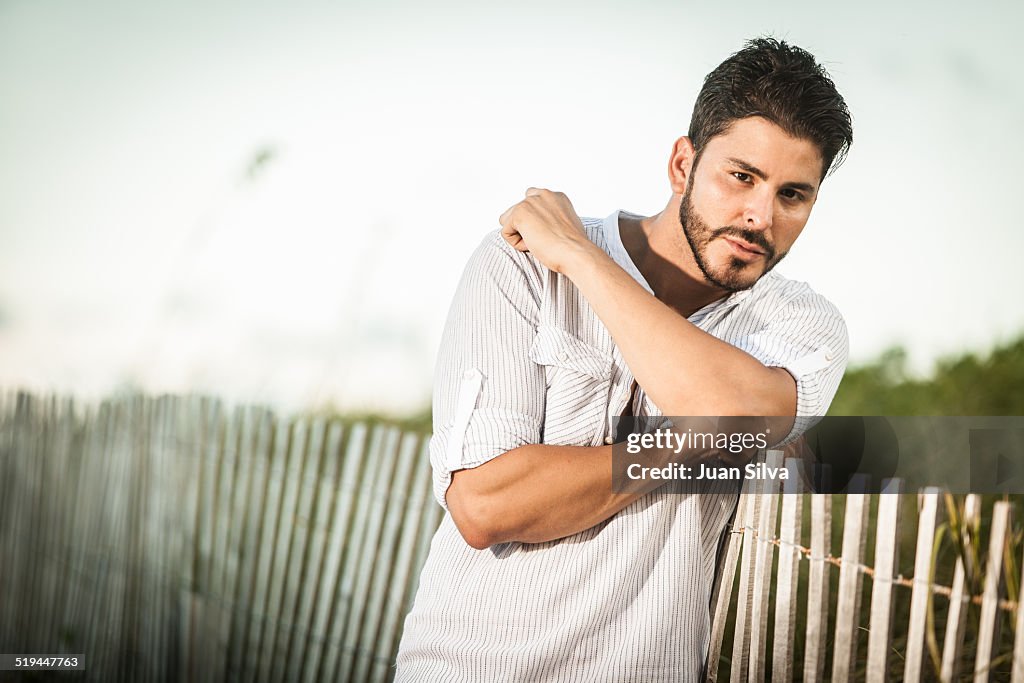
x=537 y=493
x=707 y=375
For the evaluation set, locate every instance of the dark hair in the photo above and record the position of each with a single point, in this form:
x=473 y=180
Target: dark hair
x=782 y=83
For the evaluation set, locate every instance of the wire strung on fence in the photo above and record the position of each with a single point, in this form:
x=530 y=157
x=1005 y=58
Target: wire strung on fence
x=1005 y=604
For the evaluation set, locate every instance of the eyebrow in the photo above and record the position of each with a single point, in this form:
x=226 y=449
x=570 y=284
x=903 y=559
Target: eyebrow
x=754 y=170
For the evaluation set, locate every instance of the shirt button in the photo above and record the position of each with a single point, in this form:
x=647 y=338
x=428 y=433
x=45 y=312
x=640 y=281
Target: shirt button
x=609 y=440
x=563 y=356
x=468 y=374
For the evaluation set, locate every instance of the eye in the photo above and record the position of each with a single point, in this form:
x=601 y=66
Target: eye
x=741 y=176
x=792 y=195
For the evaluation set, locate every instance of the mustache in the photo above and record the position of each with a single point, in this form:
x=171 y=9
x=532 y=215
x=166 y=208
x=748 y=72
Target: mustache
x=752 y=236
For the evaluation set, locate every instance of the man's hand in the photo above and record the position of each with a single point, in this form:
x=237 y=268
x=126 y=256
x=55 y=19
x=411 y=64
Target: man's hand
x=546 y=225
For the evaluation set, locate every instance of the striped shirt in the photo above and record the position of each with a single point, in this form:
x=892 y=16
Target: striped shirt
x=524 y=360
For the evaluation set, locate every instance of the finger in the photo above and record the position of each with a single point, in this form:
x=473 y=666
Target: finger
x=534 y=191
x=515 y=240
x=510 y=234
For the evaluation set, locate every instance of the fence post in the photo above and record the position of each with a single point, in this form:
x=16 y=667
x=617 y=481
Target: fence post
x=1018 y=645
x=789 y=568
x=850 y=580
x=956 y=619
x=765 y=551
x=988 y=627
x=818 y=588
x=887 y=526
x=741 y=631
x=920 y=595
x=722 y=600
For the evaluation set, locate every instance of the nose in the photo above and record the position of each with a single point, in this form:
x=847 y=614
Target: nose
x=758 y=213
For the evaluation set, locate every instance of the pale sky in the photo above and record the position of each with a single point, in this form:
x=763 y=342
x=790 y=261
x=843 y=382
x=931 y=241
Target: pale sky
x=273 y=203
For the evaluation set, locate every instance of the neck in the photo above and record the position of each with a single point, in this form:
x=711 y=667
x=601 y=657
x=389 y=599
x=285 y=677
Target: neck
x=661 y=253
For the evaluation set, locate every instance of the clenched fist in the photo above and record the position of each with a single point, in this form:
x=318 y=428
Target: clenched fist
x=546 y=225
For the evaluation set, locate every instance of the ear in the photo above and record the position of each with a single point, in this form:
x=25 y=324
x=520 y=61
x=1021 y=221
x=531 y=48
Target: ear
x=680 y=164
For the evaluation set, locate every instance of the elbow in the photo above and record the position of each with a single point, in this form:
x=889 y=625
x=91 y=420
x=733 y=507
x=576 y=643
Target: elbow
x=474 y=515
x=476 y=538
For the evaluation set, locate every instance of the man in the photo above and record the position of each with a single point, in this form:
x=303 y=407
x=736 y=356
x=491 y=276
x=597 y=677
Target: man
x=541 y=571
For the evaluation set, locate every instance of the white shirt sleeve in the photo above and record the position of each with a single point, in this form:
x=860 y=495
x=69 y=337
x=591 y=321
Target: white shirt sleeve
x=488 y=395
x=808 y=338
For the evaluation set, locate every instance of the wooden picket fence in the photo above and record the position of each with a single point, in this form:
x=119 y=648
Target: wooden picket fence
x=758 y=534
x=176 y=539
x=171 y=539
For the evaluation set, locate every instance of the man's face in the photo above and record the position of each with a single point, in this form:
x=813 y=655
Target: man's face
x=756 y=184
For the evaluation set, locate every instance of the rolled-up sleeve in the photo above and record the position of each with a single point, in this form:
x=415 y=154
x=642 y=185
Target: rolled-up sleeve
x=808 y=338
x=488 y=395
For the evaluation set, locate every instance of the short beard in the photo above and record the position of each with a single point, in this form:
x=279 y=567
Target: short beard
x=699 y=235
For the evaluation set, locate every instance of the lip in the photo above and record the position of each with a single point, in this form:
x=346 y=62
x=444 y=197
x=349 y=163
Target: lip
x=745 y=250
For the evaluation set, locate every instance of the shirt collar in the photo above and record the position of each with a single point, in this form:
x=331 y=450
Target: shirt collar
x=613 y=238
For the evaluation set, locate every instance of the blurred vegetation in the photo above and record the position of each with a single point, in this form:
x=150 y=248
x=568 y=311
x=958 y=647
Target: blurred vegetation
x=968 y=384
x=418 y=422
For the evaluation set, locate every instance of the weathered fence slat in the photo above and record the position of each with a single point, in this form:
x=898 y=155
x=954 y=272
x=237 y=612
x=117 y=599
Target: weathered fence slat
x=203 y=633
x=302 y=495
x=223 y=485
x=260 y=625
x=844 y=655
x=61 y=466
x=921 y=594
x=279 y=588
x=107 y=587
x=1018 y=643
x=988 y=624
x=784 y=629
x=956 y=618
x=764 y=554
x=744 y=599
x=235 y=498
x=256 y=450
x=818 y=588
x=725 y=583
x=395 y=500
x=164 y=460
x=887 y=535
x=304 y=533
x=395 y=608
x=10 y=572
x=314 y=598
x=342 y=541
x=346 y=609
x=353 y=649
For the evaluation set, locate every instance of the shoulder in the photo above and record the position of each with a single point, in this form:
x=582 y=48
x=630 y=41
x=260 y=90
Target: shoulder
x=776 y=295
x=779 y=318
x=594 y=227
x=494 y=254
x=504 y=264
